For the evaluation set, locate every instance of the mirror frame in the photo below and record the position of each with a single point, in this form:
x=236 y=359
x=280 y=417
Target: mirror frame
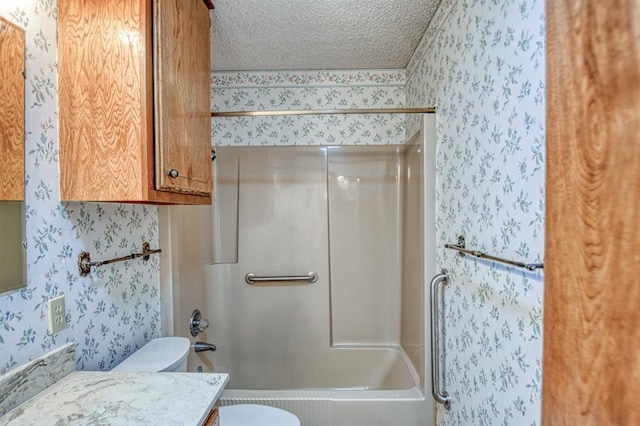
x=12 y=152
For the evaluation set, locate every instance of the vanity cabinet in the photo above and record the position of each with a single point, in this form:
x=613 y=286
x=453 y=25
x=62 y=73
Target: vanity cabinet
x=134 y=96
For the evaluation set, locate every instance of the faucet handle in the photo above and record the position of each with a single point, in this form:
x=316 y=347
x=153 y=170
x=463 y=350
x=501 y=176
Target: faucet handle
x=197 y=324
x=204 y=324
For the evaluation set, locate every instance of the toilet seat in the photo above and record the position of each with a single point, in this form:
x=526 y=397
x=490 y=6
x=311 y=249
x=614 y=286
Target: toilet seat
x=256 y=415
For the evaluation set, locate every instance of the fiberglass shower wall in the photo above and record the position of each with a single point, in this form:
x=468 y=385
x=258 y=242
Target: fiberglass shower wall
x=351 y=214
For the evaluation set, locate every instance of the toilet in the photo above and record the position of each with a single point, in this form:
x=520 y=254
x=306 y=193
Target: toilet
x=159 y=355
x=254 y=415
x=167 y=354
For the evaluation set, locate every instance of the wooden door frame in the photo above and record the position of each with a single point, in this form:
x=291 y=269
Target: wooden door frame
x=591 y=370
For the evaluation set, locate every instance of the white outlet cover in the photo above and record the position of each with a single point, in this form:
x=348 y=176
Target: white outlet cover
x=57 y=314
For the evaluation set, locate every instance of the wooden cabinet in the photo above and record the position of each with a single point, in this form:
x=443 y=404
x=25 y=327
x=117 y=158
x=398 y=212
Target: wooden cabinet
x=134 y=95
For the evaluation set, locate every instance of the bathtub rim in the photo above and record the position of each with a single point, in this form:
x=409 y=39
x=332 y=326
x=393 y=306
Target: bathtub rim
x=414 y=393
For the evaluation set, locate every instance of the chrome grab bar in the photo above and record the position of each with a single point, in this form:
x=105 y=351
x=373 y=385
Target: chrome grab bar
x=252 y=278
x=440 y=397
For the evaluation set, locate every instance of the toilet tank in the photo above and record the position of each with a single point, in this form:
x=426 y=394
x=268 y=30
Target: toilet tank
x=162 y=354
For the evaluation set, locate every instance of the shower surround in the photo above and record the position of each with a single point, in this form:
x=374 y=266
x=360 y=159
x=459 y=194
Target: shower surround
x=354 y=339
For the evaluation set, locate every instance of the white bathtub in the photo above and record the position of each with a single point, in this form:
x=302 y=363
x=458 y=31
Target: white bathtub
x=350 y=395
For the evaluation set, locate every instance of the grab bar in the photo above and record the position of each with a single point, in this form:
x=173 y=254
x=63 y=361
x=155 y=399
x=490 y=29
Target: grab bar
x=440 y=397
x=252 y=278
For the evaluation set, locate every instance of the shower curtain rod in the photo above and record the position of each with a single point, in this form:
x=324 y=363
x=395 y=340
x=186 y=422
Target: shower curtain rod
x=428 y=110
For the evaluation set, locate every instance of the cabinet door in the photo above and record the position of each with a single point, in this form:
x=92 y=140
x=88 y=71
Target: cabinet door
x=182 y=96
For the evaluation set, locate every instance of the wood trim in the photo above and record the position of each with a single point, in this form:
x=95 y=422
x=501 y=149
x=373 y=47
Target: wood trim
x=12 y=51
x=212 y=417
x=592 y=285
x=165 y=197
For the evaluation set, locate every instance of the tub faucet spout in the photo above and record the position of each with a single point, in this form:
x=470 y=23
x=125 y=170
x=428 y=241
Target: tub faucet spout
x=203 y=346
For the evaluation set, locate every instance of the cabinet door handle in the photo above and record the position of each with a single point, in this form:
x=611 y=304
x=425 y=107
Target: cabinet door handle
x=173 y=173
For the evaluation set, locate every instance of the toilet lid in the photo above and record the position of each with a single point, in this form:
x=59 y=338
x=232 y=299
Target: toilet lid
x=256 y=415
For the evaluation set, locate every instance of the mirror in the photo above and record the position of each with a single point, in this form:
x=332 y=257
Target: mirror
x=12 y=229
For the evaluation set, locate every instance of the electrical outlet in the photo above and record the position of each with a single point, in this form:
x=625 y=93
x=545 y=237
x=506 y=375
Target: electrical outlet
x=57 y=315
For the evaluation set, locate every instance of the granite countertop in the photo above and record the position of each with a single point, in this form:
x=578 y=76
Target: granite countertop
x=110 y=398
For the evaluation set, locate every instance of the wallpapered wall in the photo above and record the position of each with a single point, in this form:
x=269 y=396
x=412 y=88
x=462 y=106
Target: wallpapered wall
x=285 y=90
x=482 y=64
x=115 y=310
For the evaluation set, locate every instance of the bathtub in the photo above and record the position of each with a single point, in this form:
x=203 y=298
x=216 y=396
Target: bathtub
x=349 y=395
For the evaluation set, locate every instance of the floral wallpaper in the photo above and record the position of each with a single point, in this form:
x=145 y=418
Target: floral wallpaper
x=482 y=63
x=117 y=308
x=295 y=90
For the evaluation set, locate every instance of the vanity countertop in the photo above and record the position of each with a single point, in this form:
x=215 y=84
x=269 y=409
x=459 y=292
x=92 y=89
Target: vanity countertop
x=110 y=398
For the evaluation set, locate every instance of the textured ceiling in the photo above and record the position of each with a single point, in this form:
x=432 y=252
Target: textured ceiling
x=316 y=34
